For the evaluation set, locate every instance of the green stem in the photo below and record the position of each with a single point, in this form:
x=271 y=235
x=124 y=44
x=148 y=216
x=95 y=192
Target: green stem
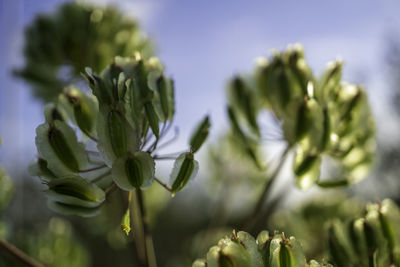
x=147 y=240
x=251 y=219
x=17 y=255
x=163 y=185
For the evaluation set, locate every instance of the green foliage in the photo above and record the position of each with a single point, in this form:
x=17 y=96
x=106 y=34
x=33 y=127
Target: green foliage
x=320 y=117
x=58 y=47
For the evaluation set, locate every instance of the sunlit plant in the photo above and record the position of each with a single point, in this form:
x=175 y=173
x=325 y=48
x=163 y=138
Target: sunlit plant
x=127 y=117
x=319 y=118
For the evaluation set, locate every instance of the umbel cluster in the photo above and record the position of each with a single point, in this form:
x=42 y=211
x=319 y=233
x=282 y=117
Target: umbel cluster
x=123 y=122
x=319 y=117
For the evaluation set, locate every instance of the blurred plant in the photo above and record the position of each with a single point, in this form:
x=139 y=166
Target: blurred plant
x=6 y=189
x=241 y=249
x=322 y=118
x=312 y=218
x=54 y=245
x=372 y=240
x=58 y=47
x=319 y=117
x=128 y=115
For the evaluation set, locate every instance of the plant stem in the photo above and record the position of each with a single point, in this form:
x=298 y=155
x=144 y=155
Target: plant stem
x=94 y=168
x=163 y=185
x=147 y=240
x=17 y=255
x=250 y=221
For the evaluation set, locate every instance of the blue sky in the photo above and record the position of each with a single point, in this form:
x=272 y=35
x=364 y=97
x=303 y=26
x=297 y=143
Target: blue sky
x=203 y=43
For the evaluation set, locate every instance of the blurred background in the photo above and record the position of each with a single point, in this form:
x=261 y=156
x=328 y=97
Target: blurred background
x=203 y=44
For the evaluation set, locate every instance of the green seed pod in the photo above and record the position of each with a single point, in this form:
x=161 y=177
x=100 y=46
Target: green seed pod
x=314 y=263
x=332 y=183
x=285 y=256
x=249 y=243
x=370 y=241
x=283 y=89
x=243 y=99
x=264 y=242
x=246 y=143
x=357 y=239
x=75 y=191
x=68 y=210
x=84 y=109
x=199 y=263
x=39 y=168
x=134 y=105
x=200 y=135
x=98 y=87
x=326 y=134
x=134 y=171
x=298 y=66
x=386 y=224
x=117 y=133
x=165 y=96
x=58 y=145
x=307 y=168
x=233 y=254
x=339 y=249
x=52 y=113
x=330 y=82
x=185 y=169
x=61 y=148
x=152 y=118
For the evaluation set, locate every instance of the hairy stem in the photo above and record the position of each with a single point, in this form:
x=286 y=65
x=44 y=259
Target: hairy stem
x=17 y=255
